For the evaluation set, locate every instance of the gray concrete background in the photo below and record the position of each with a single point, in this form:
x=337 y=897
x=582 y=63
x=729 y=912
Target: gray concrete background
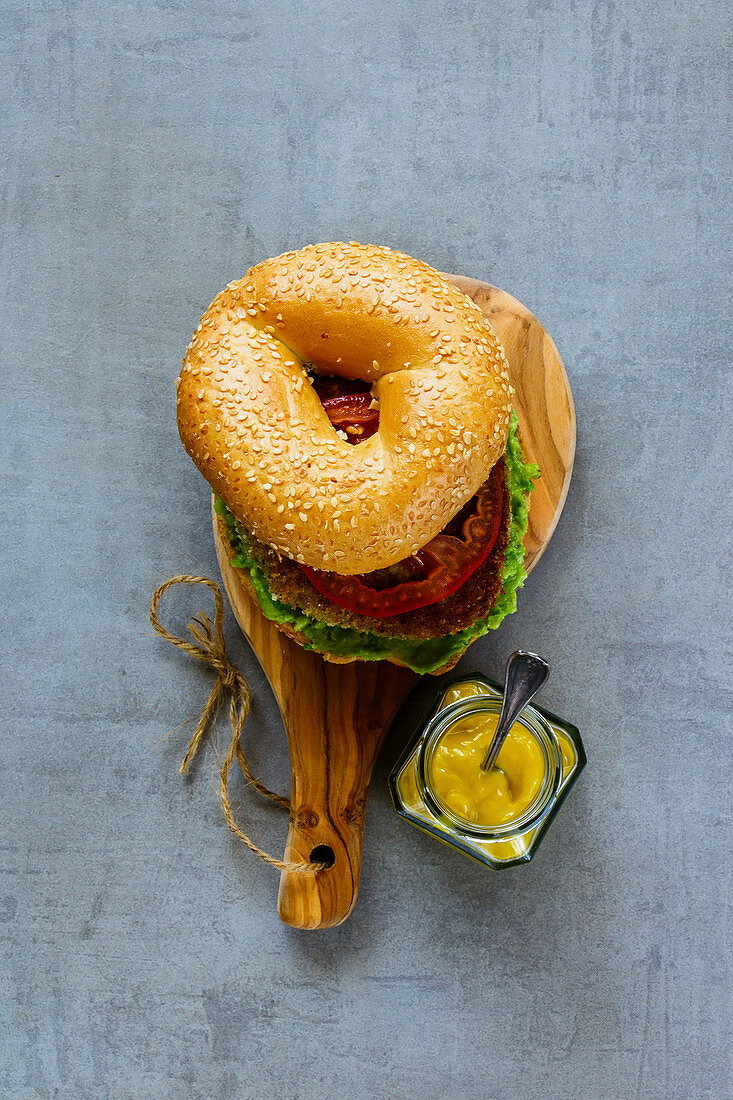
x=576 y=154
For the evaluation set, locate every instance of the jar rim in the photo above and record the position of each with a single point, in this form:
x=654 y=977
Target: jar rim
x=535 y=724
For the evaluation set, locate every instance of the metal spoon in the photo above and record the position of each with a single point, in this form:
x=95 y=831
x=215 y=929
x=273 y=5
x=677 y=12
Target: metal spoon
x=525 y=674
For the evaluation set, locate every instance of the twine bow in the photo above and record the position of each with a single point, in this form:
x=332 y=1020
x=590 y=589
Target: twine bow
x=209 y=646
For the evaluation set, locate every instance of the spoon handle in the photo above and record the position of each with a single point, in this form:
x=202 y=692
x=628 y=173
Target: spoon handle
x=525 y=674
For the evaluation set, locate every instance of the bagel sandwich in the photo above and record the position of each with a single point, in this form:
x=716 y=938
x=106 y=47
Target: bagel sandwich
x=351 y=410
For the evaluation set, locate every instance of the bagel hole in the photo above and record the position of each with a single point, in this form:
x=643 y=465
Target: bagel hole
x=323 y=853
x=365 y=420
x=334 y=385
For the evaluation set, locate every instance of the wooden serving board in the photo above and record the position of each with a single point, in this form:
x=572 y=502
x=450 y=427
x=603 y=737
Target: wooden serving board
x=336 y=715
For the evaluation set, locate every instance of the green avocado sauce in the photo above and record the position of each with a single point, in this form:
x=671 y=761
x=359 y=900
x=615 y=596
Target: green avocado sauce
x=420 y=654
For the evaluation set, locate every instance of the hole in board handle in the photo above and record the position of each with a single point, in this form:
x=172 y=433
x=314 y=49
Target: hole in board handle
x=323 y=853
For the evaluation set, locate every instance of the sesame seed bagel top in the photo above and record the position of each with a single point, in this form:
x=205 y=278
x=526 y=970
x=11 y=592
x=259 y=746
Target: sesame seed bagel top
x=251 y=421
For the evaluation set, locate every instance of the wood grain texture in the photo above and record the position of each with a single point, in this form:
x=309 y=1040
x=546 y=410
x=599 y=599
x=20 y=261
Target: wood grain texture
x=336 y=716
x=543 y=402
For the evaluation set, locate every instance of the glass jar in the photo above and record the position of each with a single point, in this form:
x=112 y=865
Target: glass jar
x=418 y=799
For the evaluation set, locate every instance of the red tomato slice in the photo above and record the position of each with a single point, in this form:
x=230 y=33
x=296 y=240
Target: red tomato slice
x=350 y=413
x=439 y=569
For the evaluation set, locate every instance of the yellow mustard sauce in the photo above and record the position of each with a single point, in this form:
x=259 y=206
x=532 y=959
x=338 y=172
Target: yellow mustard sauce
x=465 y=690
x=483 y=798
x=468 y=689
x=451 y=771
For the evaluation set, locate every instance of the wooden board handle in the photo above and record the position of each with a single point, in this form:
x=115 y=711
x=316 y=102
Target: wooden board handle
x=331 y=775
x=335 y=729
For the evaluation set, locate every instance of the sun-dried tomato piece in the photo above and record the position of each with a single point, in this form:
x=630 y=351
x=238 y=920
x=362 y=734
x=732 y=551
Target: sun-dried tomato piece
x=351 y=413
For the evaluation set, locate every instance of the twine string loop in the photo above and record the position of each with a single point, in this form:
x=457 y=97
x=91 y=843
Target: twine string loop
x=209 y=647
